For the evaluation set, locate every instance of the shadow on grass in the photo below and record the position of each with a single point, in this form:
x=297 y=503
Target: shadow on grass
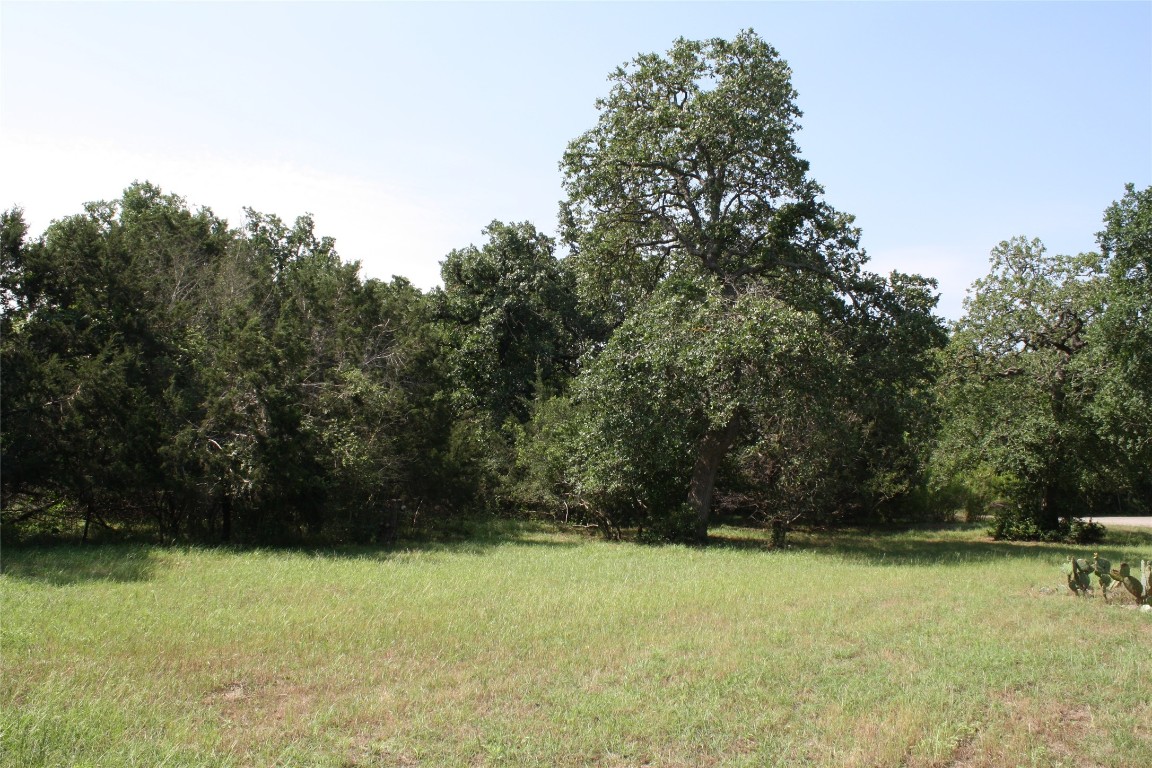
x=429 y=546
x=941 y=545
x=937 y=545
x=65 y=564
x=461 y=537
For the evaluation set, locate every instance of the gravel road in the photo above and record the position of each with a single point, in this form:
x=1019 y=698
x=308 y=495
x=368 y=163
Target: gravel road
x=1139 y=522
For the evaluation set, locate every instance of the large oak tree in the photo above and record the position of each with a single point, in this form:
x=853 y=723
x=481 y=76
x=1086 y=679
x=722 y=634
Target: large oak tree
x=692 y=173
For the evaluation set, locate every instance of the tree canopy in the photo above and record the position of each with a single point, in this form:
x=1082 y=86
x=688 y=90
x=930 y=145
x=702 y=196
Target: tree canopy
x=692 y=176
x=709 y=341
x=162 y=368
x=693 y=165
x=1048 y=379
x=514 y=319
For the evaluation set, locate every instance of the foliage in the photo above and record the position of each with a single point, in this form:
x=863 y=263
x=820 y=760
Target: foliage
x=1123 y=403
x=1010 y=522
x=697 y=232
x=511 y=315
x=693 y=166
x=163 y=371
x=711 y=342
x=688 y=363
x=1020 y=383
x=1045 y=386
x=886 y=397
x=95 y=342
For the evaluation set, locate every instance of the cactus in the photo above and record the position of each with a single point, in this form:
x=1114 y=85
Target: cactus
x=1124 y=575
x=1102 y=567
x=1079 y=572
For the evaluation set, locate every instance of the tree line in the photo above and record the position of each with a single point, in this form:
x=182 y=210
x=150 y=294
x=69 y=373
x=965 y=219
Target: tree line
x=710 y=343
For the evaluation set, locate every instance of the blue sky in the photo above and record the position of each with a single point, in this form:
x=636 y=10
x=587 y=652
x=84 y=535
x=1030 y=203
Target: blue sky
x=406 y=127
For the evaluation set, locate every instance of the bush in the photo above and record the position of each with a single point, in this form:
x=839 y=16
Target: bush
x=1012 y=523
x=678 y=525
x=1085 y=532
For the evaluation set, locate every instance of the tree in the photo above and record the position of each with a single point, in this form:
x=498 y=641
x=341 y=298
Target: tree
x=13 y=234
x=511 y=310
x=693 y=164
x=167 y=373
x=95 y=341
x=317 y=392
x=1021 y=382
x=873 y=438
x=689 y=363
x=692 y=174
x=1123 y=334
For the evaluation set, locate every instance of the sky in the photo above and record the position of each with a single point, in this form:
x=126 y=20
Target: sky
x=405 y=128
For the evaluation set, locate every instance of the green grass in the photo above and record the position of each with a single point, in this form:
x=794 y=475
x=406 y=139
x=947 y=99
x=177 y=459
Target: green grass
x=535 y=647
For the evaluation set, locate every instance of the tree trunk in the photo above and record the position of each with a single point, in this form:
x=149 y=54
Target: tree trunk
x=1049 y=518
x=86 y=498
x=1053 y=500
x=87 y=523
x=226 y=518
x=711 y=453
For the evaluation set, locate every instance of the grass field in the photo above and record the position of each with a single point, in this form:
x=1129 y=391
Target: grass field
x=544 y=648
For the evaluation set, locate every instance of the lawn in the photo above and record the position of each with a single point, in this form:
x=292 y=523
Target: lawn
x=537 y=647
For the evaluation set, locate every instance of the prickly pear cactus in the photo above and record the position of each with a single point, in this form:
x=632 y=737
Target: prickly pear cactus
x=1102 y=568
x=1124 y=575
x=1078 y=572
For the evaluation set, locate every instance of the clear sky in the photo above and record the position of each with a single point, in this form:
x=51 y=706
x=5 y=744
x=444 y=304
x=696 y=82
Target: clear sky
x=406 y=127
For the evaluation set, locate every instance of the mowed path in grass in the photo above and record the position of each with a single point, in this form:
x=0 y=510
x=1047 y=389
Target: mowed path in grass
x=542 y=648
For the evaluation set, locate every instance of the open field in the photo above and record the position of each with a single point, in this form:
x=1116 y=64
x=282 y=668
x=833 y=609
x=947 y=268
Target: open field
x=537 y=647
